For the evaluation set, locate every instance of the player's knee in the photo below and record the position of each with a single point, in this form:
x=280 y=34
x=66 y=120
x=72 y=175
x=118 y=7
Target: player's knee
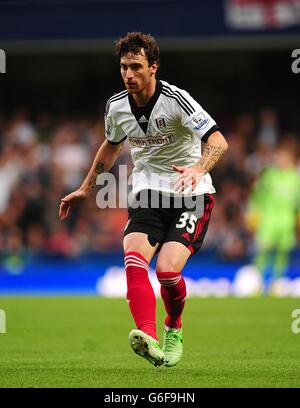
x=132 y=245
x=167 y=265
x=138 y=249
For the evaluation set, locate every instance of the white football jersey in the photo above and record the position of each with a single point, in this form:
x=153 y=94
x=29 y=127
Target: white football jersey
x=166 y=131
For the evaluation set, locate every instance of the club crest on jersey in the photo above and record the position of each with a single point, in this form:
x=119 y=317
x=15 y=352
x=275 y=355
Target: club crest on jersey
x=160 y=123
x=200 y=121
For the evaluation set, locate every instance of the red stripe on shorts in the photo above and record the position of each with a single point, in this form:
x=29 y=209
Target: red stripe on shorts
x=205 y=217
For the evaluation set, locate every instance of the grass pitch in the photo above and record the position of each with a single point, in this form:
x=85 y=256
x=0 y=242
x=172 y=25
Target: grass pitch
x=83 y=342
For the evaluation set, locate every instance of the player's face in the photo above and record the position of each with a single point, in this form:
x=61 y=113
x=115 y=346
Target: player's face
x=136 y=72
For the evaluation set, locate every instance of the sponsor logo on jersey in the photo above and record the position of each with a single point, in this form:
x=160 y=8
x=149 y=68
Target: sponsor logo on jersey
x=160 y=123
x=152 y=141
x=200 y=121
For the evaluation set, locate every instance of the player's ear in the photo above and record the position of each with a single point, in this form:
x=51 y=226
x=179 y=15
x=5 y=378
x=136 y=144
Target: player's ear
x=153 y=69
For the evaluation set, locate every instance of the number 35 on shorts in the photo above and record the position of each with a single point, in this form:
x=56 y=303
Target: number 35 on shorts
x=187 y=220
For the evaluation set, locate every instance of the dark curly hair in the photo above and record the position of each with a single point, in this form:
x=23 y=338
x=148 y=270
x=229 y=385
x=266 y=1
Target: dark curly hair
x=134 y=42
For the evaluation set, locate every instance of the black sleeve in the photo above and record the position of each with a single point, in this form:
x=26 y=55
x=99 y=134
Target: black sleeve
x=213 y=129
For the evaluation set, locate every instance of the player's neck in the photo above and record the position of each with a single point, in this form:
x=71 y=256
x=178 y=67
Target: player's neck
x=142 y=98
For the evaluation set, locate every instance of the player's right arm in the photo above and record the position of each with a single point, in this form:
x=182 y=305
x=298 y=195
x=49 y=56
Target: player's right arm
x=104 y=160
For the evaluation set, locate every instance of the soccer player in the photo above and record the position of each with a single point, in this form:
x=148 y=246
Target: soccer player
x=272 y=211
x=164 y=126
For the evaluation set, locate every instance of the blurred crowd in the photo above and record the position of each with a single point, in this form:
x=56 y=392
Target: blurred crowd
x=43 y=158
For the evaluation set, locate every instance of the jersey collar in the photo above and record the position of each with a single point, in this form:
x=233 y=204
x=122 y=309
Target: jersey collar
x=142 y=113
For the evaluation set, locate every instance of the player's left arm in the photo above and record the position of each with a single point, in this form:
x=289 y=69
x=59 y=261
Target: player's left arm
x=214 y=149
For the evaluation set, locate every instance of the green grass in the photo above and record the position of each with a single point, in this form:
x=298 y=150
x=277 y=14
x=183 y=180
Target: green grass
x=83 y=342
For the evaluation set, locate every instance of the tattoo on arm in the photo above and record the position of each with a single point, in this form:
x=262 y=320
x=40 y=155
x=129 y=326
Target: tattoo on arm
x=98 y=170
x=211 y=155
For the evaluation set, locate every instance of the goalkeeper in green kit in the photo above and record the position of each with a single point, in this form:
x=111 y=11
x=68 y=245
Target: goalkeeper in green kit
x=273 y=212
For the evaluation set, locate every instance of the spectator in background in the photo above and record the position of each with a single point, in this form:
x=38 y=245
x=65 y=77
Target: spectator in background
x=268 y=128
x=70 y=154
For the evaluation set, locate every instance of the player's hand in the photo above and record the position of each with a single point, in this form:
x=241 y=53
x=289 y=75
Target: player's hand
x=188 y=179
x=68 y=202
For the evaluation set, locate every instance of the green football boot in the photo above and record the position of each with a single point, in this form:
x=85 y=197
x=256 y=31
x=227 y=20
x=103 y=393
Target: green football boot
x=172 y=346
x=146 y=347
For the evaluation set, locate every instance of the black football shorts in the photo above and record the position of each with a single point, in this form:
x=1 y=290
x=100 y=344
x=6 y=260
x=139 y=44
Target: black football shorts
x=166 y=219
